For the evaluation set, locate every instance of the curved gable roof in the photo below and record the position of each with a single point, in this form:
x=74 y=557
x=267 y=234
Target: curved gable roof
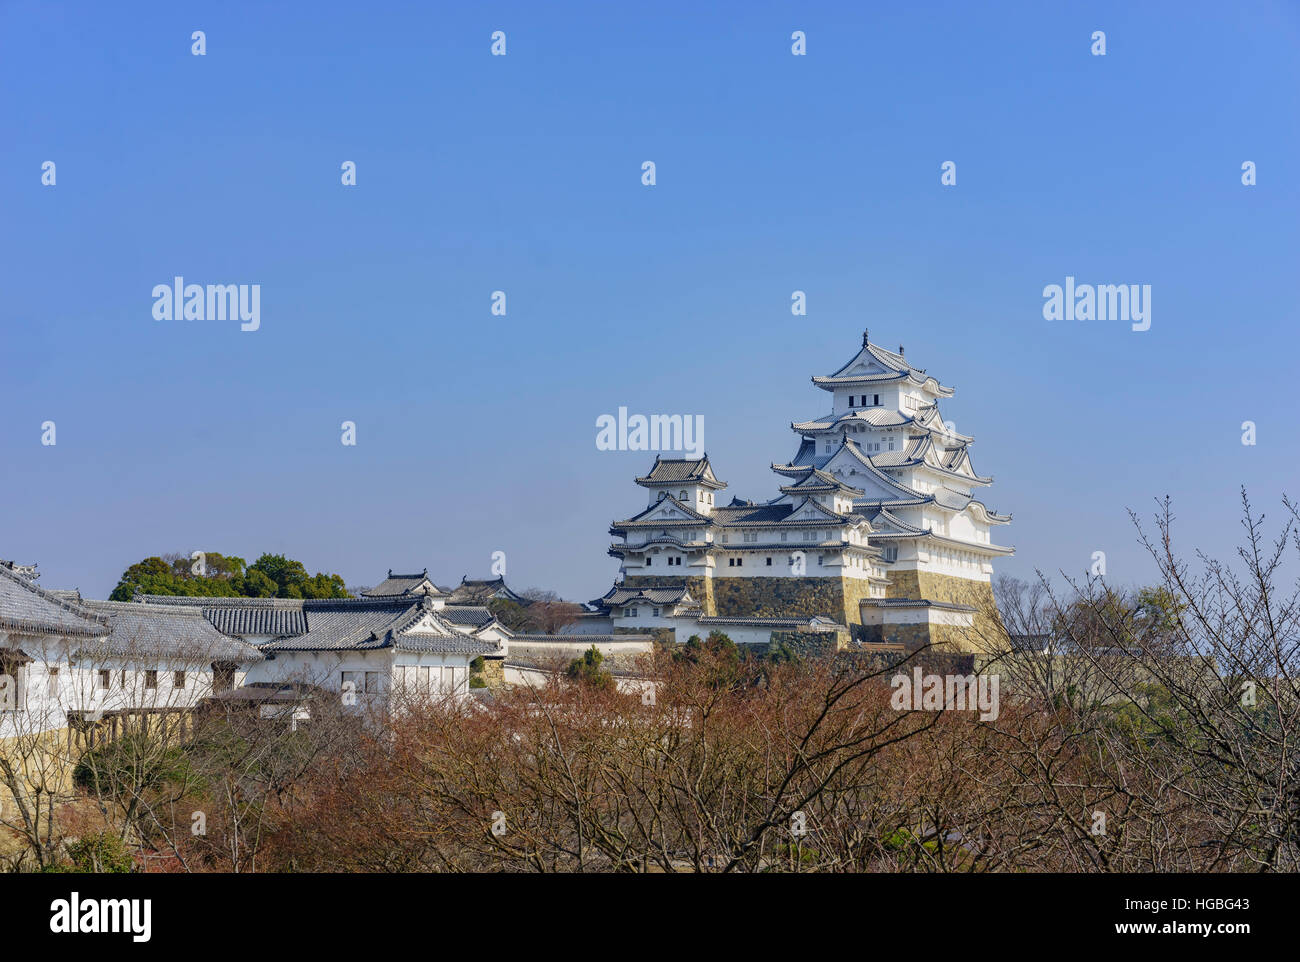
x=681 y=470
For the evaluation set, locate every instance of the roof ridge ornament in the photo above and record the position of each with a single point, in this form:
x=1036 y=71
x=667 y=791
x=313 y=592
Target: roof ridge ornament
x=866 y=336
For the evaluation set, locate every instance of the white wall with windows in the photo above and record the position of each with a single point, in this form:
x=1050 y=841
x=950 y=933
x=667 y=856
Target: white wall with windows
x=56 y=677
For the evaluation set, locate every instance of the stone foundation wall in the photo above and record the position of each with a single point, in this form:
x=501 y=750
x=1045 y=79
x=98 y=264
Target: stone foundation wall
x=493 y=673
x=930 y=662
x=726 y=597
x=779 y=597
x=986 y=634
x=810 y=644
x=939 y=638
x=855 y=590
x=911 y=637
x=838 y=599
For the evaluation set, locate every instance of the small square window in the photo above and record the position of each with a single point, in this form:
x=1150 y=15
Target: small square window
x=178 y=679
x=150 y=678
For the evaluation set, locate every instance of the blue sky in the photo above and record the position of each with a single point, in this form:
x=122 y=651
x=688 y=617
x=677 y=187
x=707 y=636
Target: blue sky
x=523 y=173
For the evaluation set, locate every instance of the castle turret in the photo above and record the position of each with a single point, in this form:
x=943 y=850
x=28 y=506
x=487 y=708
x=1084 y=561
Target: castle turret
x=690 y=481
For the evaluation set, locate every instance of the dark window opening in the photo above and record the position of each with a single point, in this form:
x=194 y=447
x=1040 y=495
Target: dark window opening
x=223 y=676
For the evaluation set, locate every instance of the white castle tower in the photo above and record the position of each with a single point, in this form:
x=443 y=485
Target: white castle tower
x=877 y=524
x=885 y=435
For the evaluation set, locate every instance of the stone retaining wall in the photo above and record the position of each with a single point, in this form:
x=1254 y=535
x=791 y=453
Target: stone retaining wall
x=810 y=644
x=986 y=634
x=951 y=638
x=493 y=673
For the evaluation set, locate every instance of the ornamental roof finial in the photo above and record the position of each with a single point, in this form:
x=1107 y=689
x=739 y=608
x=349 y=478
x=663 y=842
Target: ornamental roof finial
x=900 y=350
x=865 y=334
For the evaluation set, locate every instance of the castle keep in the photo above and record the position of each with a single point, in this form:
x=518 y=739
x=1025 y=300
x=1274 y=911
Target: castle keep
x=877 y=526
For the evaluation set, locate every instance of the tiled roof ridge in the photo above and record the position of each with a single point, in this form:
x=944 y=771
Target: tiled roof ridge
x=412 y=575
x=286 y=604
x=48 y=595
x=110 y=605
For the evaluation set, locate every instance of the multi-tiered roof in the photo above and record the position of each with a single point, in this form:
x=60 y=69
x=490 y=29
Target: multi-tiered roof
x=885 y=435
x=813 y=501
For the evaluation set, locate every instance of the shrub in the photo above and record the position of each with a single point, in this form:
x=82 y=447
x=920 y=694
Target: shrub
x=587 y=670
x=100 y=852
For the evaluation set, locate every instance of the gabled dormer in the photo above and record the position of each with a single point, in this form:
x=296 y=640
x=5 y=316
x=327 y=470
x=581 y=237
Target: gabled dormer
x=811 y=510
x=825 y=489
x=417 y=585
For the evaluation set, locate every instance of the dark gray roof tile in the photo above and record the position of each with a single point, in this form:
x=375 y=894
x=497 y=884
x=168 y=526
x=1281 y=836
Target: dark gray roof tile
x=26 y=608
x=159 y=631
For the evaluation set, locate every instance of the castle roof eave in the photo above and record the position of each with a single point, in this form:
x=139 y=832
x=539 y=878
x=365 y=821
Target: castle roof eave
x=978 y=547
x=929 y=384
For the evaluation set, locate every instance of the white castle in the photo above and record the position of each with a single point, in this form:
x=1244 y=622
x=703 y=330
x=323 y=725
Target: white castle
x=877 y=525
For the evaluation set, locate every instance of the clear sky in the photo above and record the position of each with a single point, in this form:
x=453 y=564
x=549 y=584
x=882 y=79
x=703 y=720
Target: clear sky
x=522 y=173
